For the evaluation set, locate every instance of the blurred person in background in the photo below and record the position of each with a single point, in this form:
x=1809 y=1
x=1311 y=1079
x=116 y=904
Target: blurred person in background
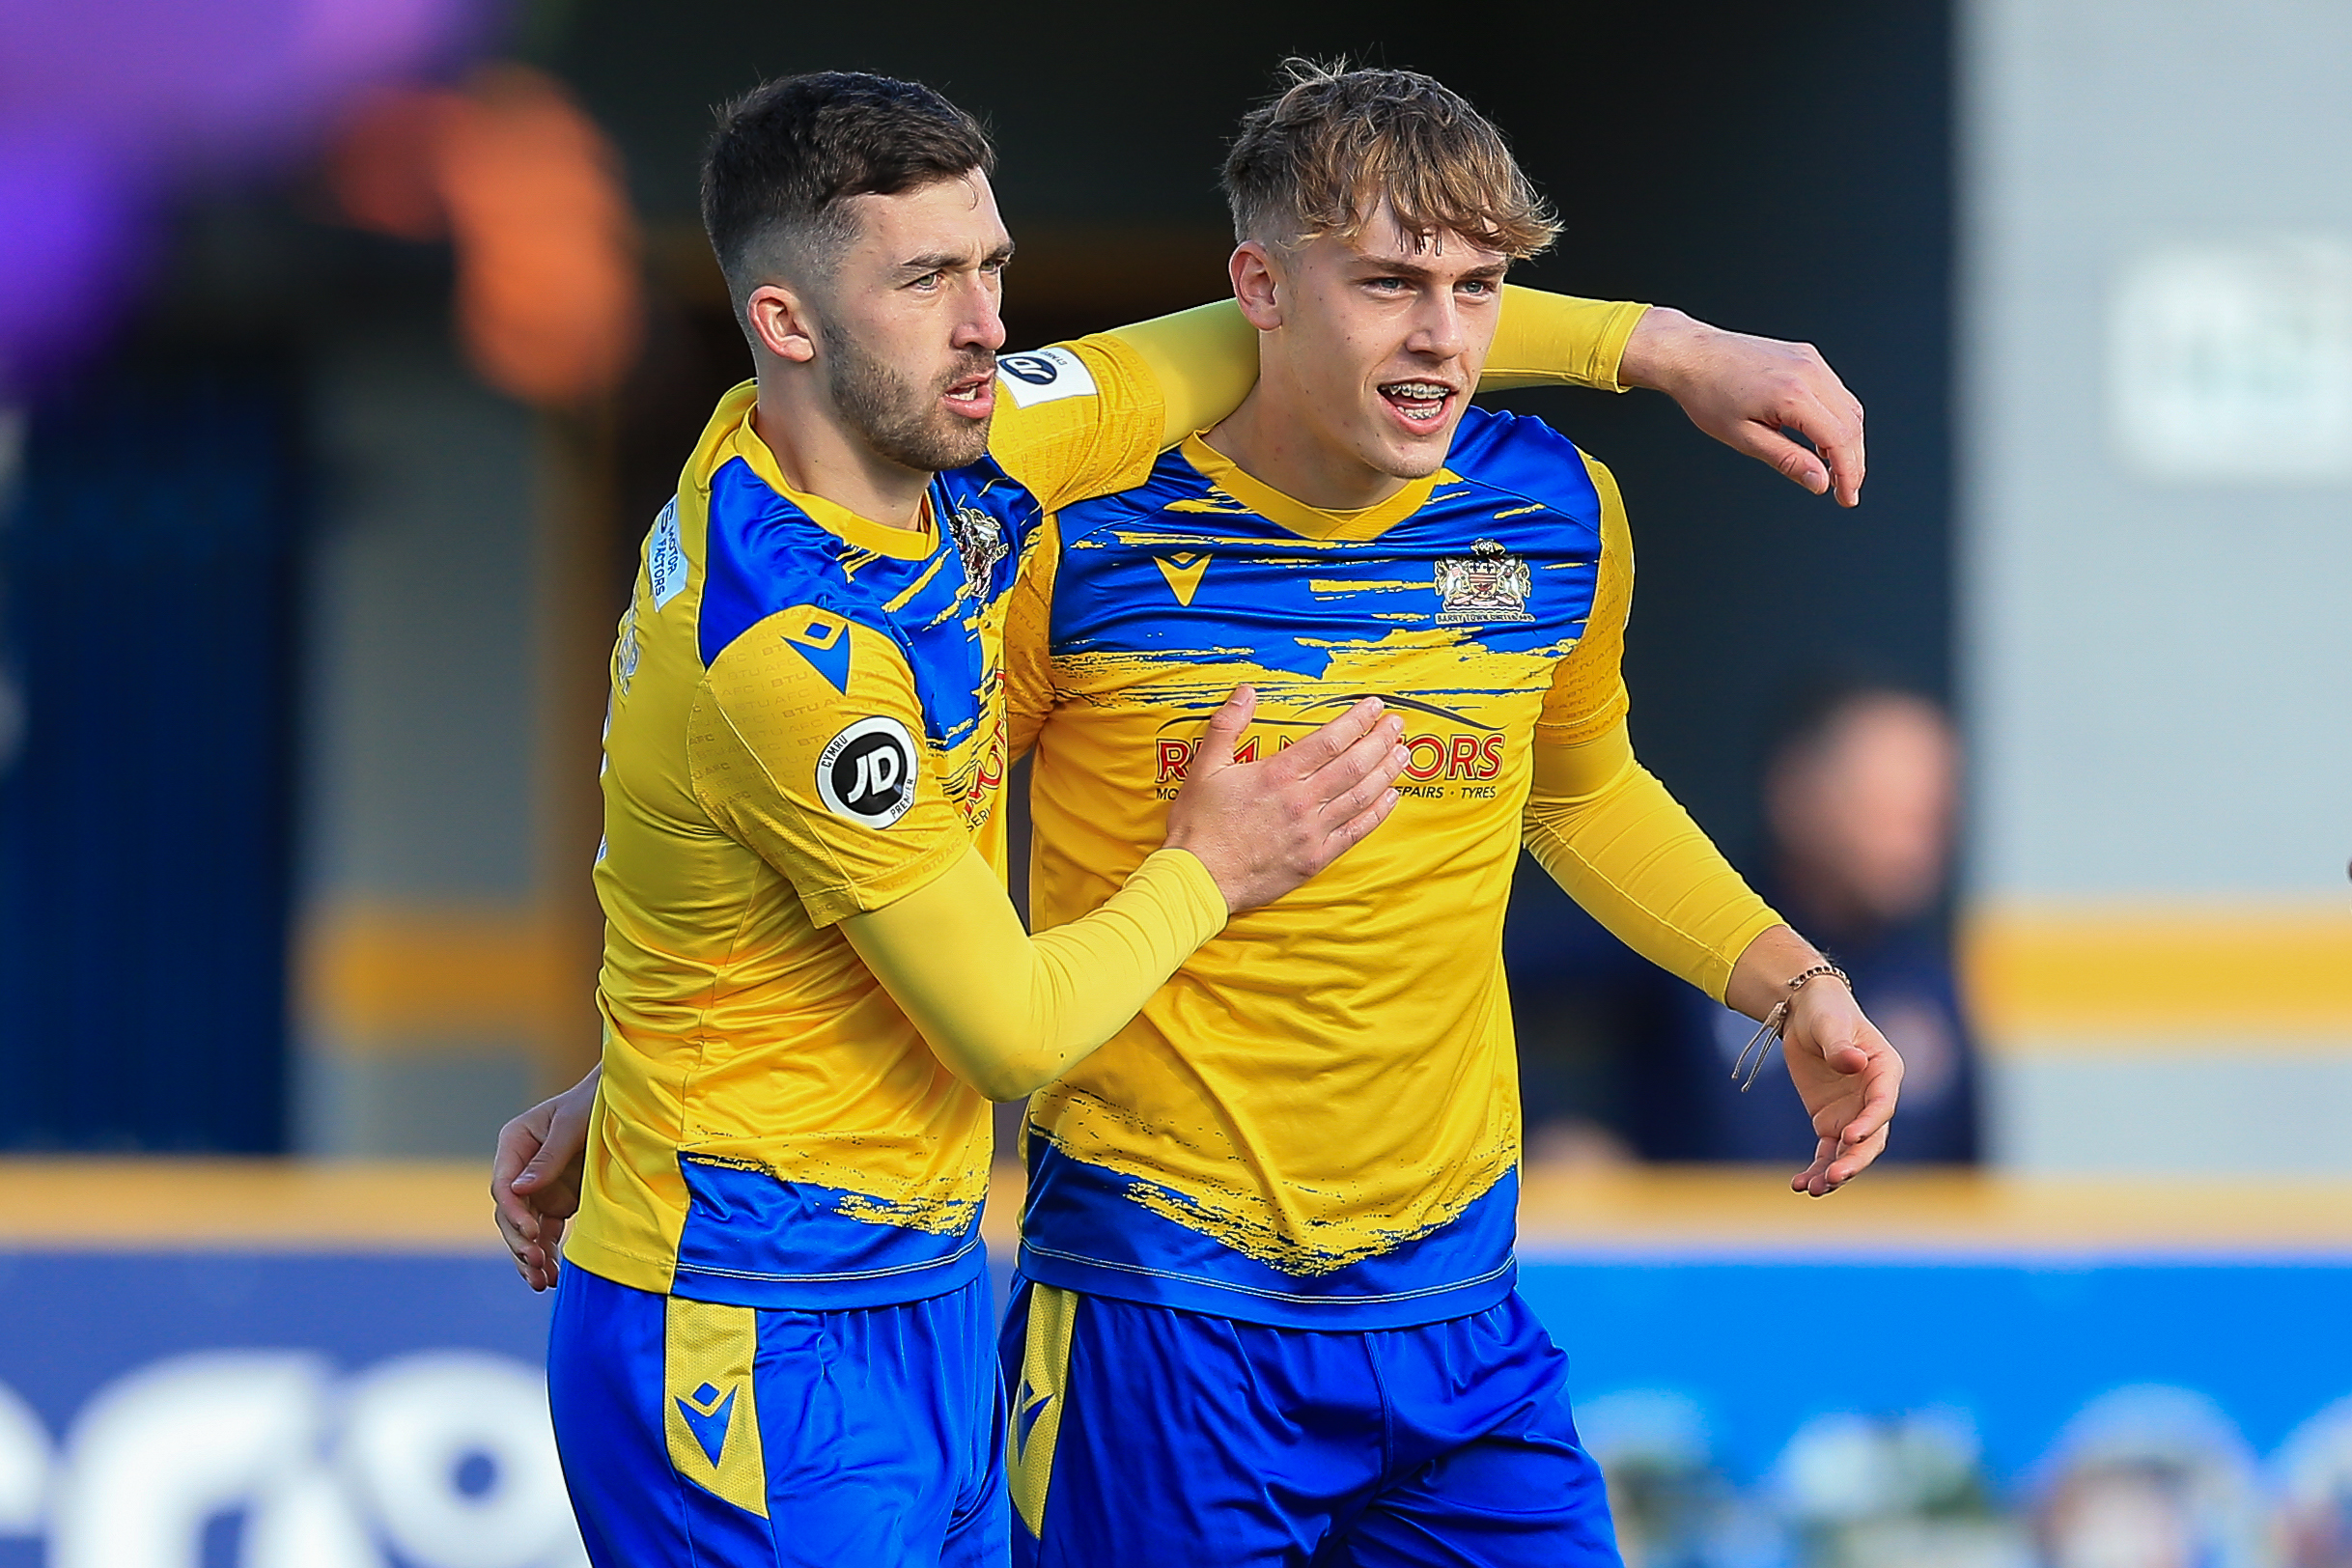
x=1860 y=795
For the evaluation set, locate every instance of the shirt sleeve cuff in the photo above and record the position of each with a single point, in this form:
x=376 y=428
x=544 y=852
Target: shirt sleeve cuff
x=1193 y=897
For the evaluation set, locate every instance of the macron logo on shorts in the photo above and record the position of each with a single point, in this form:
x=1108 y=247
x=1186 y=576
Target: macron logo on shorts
x=706 y=1417
x=1042 y=375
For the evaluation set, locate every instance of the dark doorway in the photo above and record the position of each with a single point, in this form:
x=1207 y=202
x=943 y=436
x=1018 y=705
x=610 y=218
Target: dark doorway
x=145 y=810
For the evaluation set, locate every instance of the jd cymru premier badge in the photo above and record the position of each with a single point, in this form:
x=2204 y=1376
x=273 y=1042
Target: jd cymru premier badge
x=866 y=772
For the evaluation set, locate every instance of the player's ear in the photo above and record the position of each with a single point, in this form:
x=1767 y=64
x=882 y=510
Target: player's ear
x=1257 y=273
x=780 y=323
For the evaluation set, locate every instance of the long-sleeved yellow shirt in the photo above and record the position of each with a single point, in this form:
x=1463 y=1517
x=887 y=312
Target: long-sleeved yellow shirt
x=808 y=961
x=1316 y=1123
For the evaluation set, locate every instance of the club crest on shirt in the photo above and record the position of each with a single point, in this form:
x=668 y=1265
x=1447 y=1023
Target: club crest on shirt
x=980 y=541
x=1488 y=584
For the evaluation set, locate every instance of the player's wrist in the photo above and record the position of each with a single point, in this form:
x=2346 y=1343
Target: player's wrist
x=1222 y=873
x=1662 y=353
x=1818 y=996
x=1792 y=1020
x=1759 y=979
x=1199 y=874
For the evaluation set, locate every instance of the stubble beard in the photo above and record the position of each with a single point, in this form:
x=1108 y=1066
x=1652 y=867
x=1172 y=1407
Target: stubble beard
x=897 y=418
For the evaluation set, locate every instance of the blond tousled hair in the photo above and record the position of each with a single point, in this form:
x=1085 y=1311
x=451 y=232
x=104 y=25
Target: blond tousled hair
x=1323 y=155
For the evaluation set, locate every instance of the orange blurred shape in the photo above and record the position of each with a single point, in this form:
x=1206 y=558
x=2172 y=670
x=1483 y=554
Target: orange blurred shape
x=529 y=193
x=383 y=168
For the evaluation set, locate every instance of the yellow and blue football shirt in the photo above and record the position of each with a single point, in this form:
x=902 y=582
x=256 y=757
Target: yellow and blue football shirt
x=806 y=723
x=1316 y=1123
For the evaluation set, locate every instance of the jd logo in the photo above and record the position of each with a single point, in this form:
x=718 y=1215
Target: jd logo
x=1044 y=375
x=867 y=772
x=878 y=768
x=1035 y=369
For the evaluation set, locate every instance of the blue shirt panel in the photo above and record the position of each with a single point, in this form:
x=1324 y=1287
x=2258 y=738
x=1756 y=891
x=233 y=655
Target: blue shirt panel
x=1082 y=1231
x=750 y=1239
x=763 y=554
x=1285 y=600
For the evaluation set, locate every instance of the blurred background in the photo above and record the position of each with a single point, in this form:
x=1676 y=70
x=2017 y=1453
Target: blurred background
x=348 y=346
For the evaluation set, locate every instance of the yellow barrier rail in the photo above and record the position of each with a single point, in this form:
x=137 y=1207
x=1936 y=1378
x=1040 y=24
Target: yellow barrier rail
x=294 y=1205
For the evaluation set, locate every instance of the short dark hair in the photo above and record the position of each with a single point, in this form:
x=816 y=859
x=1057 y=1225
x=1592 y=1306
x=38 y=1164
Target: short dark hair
x=789 y=152
x=1334 y=143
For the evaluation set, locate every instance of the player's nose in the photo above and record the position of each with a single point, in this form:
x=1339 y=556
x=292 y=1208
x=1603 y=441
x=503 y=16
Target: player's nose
x=1439 y=329
x=981 y=323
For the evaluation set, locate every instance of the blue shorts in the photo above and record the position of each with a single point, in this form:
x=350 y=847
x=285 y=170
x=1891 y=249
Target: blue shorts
x=1144 y=1436
x=704 y=1436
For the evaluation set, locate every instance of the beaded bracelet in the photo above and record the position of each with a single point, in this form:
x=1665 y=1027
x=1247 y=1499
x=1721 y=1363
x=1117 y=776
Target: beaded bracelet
x=1742 y=1073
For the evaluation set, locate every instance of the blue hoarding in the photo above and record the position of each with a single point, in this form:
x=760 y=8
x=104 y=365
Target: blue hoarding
x=337 y=1409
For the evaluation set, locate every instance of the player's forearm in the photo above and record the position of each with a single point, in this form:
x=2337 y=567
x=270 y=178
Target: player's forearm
x=1007 y=1012
x=1622 y=847
x=1546 y=339
x=1205 y=360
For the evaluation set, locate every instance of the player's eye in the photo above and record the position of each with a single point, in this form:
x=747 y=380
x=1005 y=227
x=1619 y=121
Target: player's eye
x=928 y=281
x=1478 y=288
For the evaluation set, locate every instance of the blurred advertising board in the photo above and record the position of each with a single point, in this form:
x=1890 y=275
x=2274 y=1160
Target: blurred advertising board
x=1939 y=1371
x=2122 y=1415
x=226 y=1367
x=235 y=1367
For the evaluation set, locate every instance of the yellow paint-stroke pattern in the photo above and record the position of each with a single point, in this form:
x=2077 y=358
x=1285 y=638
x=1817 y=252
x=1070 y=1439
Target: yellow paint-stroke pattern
x=1291 y=1184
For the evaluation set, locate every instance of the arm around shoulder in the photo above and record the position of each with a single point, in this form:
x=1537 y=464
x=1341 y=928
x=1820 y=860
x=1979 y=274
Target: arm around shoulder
x=1089 y=417
x=1547 y=339
x=1204 y=359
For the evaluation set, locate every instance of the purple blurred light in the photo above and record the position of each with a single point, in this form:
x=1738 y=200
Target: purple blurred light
x=107 y=104
x=70 y=228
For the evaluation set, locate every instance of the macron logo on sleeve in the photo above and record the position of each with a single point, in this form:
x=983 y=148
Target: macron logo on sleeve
x=1042 y=375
